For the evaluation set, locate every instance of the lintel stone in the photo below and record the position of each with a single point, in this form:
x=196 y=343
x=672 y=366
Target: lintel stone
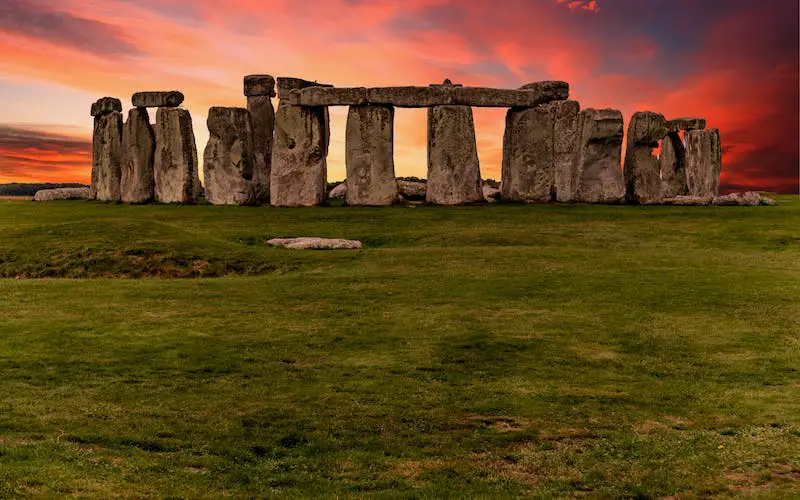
x=167 y=99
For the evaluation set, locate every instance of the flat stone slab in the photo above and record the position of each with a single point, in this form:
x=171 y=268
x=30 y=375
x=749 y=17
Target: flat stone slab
x=687 y=124
x=746 y=199
x=165 y=99
x=81 y=193
x=106 y=105
x=255 y=85
x=310 y=243
x=688 y=200
x=303 y=93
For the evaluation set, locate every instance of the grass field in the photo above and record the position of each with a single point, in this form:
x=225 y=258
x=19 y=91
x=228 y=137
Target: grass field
x=473 y=352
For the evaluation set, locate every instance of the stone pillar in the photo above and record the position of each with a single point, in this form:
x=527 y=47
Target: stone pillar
x=229 y=160
x=673 y=166
x=528 y=162
x=703 y=162
x=259 y=90
x=600 y=156
x=175 y=165
x=642 y=168
x=299 y=166
x=370 y=156
x=454 y=175
x=565 y=149
x=138 y=149
x=106 y=149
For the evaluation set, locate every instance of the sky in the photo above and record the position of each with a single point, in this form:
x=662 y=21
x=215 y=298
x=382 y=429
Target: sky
x=734 y=62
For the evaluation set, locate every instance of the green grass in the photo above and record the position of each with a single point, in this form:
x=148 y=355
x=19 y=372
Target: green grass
x=481 y=352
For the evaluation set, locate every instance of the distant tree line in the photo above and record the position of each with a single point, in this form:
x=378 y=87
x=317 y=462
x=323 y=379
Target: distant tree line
x=20 y=189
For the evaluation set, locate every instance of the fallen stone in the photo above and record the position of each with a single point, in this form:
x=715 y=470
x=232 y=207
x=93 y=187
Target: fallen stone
x=175 y=164
x=286 y=86
x=339 y=192
x=703 y=162
x=688 y=200
x=171 y=99
x=673 y=166
x=81 y=193
x=262 y=115
x=107 y=157
x=766 y=200
x=228 y=160
x=747 y=199
x=299 y=167
x=369 y=153
x=600 y=156
x=679 y=124
x=106 y=105
x=259 y=85
x=315 y=243
x=565 y=149
x=325 y=96
x=528 y=169
x=411 y=190
x=454 y=174
x=642 y=167
x=491 y=194
x=137 y=184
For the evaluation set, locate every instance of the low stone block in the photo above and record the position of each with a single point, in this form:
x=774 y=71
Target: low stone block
x=106 y=105
x=681 y=124
x=80 y=193
x=331 y=96
x=170 y=99
x=259 y=85
x=310 y=243
x=746 y=199
x=688 y=200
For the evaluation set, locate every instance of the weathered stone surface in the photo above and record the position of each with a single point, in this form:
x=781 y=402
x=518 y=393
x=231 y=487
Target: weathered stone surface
x=259 y=85
x=80 y=193
x=106 y=105
x=688 y=200
x=703 y=162
x=766 y=200
x=747 y=199
x=369 y=155
x=673 y=166
x=412 y=190
x=565 y=149
x=138 y=150
x=262 y=115
x=679 y=124
x=528 y=155
x=530 y=95
x=168 y=99
x=175 y=163
x=642 y=167
x=454 y=175
x=287 y=85
x=331 y=96
x=299 y=166
x=228 y=160
x=107 y=157
x=600 y=156
x=307 y=243
x=411 y=97
x=491 y=194
x=339 y=192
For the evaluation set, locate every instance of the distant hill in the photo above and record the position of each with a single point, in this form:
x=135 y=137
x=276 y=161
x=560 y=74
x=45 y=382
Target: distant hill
x=20 y=189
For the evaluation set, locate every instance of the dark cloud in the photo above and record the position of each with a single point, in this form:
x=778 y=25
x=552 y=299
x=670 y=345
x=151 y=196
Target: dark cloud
x=34 y=20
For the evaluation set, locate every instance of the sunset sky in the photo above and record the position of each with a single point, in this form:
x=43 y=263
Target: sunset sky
x=734 y=62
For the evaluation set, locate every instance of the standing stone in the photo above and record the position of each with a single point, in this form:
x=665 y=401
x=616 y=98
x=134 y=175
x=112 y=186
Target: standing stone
x=259 y=90
x=138 y=150
x=370 y=156
x=175 y=165
x=229 y=161
x=565 y=149
x=673 y=166
x=299 y=167
x=703 y=162
x=454 y=174
x=528 y=161
x=642 y=168
x=600 y=156
x=107 y=157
